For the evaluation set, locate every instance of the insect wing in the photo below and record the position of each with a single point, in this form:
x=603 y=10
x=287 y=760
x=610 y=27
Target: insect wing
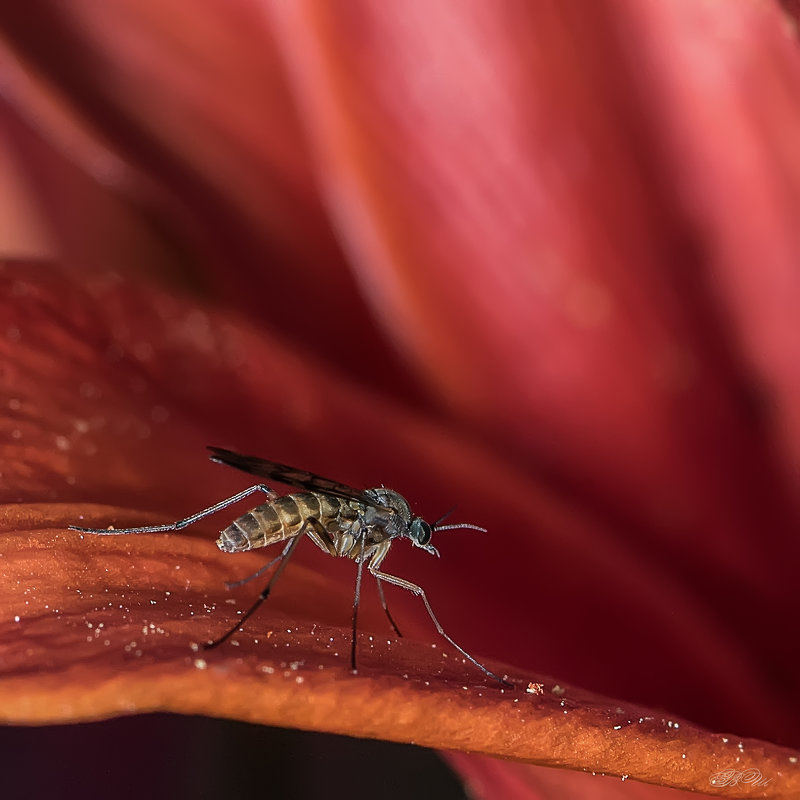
x=291 y=476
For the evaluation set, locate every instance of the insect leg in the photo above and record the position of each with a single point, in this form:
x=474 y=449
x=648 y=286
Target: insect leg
x=386 y=606
x=260 y=571
x=182 y=523
x=356 y=599
x=418 y=590
x=284 y=559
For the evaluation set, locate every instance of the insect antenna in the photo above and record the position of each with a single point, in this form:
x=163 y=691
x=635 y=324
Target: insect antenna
x=437 y=526
x=459 y=525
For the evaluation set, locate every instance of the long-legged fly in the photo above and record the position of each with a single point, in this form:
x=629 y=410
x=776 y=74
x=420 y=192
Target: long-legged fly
x=340 y=520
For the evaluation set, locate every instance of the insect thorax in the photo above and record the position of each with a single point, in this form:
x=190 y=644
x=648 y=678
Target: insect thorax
x=394 y=524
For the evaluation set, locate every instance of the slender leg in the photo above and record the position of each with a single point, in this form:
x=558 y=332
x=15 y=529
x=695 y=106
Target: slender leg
x=260 y=571
x=386 y=606
x=417 y=590
x=356 y=600
x=284 y=559
x=183 y=523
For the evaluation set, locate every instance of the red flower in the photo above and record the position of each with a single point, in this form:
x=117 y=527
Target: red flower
x=539 y=260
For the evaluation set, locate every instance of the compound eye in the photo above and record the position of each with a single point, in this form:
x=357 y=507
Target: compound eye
x=421 y=532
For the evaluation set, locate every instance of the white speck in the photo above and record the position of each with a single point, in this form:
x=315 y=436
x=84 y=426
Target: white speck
x=16 y=619
x=268 y=670
x=725 y=739
x=623 y=777
x=299 y=679
x=200 y=663
x=617 y=727
x=792 y=759
x=557 y=689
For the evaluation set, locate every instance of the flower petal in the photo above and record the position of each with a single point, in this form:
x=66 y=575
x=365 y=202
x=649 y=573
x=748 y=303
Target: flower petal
x=96 y=626
x=58 y=583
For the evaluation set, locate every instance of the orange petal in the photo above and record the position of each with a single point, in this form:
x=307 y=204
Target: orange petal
x=96 y=626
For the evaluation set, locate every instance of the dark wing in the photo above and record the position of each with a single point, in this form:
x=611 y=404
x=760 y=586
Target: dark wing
x=290 y=476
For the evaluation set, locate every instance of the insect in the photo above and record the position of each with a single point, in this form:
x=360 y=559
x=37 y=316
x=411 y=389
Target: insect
x=340 y=520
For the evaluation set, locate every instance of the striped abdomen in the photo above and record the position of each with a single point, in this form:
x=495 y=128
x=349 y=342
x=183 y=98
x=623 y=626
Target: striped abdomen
x=283 y=518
